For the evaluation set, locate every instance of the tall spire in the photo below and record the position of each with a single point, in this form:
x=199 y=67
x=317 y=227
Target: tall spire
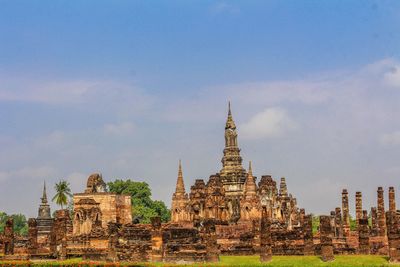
x=44 y=208
x=250 y=173
x=232 y=173
x=230 y=124
x=180 y=186
x=44 y=196
x=250 y=186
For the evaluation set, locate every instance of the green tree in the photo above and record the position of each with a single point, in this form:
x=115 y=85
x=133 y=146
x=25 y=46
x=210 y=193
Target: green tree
x=20 y=223
x=142 y=204
x=353 y=224
x=315 y=223
x=62 y=193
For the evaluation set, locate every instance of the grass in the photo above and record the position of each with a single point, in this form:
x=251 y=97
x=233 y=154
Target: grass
x=239 y=261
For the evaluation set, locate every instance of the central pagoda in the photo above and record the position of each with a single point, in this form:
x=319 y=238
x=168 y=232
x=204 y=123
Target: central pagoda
x=233 y=175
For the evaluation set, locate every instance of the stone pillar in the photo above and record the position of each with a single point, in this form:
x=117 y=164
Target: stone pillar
x=156 y=240
x=364 y=214
x=113 y=230
x=60 y=232
x=392 y=199
x=265 y=238
x=325 y=230
x=308 y=235
x=63 y=251
x=363 y=236
x=393 y=233
x=374 y=222
x=358 y=207
x=301 y=216
x=9 y=237
x=338 y=223
x=345 y=209
x=32 y=236
x=381 y=213
x=210 y=236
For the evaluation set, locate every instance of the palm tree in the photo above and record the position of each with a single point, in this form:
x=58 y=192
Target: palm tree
x=62 y=193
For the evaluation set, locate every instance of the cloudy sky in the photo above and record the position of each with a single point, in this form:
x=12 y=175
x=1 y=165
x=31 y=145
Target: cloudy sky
x=127 y=88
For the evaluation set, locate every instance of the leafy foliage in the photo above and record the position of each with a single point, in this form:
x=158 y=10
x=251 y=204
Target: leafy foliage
x=62 y=193
x=20 y=223
x=142 y=204
x=353 y=225
x=315 y=223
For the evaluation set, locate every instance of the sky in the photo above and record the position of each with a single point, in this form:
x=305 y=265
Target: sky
x=127 y=88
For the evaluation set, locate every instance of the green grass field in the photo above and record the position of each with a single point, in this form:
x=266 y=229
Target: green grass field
x=295 y=261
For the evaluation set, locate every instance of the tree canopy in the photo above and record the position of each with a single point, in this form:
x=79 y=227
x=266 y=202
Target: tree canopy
x=62 y=193
x=20 y=223
x=142 y=204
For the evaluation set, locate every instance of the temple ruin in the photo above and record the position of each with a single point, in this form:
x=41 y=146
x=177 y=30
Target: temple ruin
x=230 y=213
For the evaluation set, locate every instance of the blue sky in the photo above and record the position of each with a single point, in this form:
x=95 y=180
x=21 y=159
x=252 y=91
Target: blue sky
x=129 y=87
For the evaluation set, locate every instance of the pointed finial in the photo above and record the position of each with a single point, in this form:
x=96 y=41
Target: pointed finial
x=44 y=196
x=180 y=186
x=230 y=124
x=180 y=168
x=250 y=170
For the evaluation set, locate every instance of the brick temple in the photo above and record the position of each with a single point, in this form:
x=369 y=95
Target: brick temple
x=229 y=214
x=232 y=195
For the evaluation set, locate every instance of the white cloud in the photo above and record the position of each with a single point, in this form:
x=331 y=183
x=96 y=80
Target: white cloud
x=42 y=172
x=46 y=92
x=271 y=122
x=392 y=77
x=120 y=129
x=224 y=7
x=391 y=138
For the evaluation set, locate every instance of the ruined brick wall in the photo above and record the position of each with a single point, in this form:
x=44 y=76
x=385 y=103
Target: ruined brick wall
x=286 y=242
x=129 y=242
x=237 y=239
x=183 y=245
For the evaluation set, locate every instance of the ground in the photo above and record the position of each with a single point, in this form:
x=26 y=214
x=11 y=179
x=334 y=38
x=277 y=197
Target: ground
x=287 y=261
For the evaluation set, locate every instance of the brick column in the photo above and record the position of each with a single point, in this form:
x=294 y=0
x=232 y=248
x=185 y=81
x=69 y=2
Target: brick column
x=345 y=209
x=374 y=222
x=308 y=235
x=32 y=236
x=392 y=199
x=338 y=223
x=156 y=240
x=325 y=230
x=358 y=206
x=9 y=237
x=265 y=238
x=363 y=236
x=381 y=213
x=393 y=233
x=210 y=236
x=113 y=230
